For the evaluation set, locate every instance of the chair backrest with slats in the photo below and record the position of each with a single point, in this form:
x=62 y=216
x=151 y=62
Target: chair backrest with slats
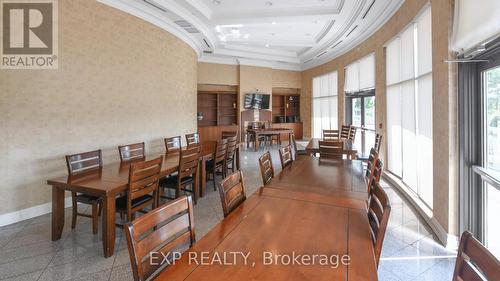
x=84 y=162
x=173 y=144
x=352 y=133
x=131 y=152
x=378 y=142
x=331 y=134
x=379 y=210
x=370 y=165
x=159 y=233
x=143 y=178
x=192 y=139
x=474 y=261
x=232 y=142
x=228 y=134
x=286 y=156
x=266 y=167
x=188 y=162
x=232 y=192
x=294 y=143
x=344 y=133
x=331 y=149
x=220 y=151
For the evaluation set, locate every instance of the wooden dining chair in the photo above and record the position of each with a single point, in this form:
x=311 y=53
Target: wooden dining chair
x=378 y=142
x=131 y=152
x=218 y=163
x=173 y=144
x=228 y=134
x=370 y=166
x=379 y=210
x=352 y=133
x=296 y=150
x=286 y=156
x=331 y=134
x=192 y=139
x=158 y=234
x=331 y=149
x=78 y=164
x=142 y=187
x=232 y=143
x=344 y=132
x=232 y=192
x=186 y=174
x=266 y=167
x=474 y=262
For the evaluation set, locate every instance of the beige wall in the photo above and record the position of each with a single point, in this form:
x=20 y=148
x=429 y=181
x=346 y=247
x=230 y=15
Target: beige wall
x=118 y=81
x=444 y=97
x=218 y=74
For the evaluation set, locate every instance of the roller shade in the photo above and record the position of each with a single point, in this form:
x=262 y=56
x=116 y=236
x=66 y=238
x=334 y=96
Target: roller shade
x=475 y=22
x=360 y=75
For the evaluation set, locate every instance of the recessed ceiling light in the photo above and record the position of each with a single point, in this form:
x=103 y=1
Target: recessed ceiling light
x=216 y=2
x=267 y=45
x=273 y=22
x=269 y=3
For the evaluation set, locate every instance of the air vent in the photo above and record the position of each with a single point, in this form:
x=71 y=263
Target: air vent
x=336 y=44
x=207 y=52
x=186 y=26
x=154 y=5
x=321 y=54
x=368 y=10
x=308 y=60
x=206 y=43
x=351 y=31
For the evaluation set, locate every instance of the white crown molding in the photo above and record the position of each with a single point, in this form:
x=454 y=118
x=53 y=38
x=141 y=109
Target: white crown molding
x=257 y=56
x=132 y=7
x=210 y=58
x=201 y=7
x=267 y=51
x=389 y=12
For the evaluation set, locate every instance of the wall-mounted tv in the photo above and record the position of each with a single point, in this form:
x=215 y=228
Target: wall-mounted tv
x=256 y=101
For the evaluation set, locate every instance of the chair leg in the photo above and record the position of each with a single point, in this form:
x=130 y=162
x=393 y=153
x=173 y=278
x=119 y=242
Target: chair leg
x=94 y=217
x=75 y=210
x=213 y=179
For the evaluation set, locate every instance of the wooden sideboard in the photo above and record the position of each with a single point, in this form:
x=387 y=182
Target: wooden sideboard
x=296 y=127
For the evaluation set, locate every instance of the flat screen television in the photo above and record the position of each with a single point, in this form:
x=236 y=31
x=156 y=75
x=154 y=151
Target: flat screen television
x=256 y=101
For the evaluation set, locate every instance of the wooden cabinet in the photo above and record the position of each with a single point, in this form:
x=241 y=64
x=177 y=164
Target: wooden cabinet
x=286 y=108
x=296 y=127
x=217 y=112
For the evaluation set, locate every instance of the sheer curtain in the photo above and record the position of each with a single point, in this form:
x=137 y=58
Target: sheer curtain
x=409 y=106
x=360 y=75
x=325 y=103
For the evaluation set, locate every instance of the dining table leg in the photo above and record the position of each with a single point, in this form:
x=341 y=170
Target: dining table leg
x=108 y=225
x=57 y=212
x=203 y=176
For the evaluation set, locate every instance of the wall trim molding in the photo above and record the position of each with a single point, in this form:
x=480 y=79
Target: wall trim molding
x=449 y=241
x=31 y=212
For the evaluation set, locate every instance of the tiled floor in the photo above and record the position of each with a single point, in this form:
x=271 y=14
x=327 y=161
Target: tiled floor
x=26 y=252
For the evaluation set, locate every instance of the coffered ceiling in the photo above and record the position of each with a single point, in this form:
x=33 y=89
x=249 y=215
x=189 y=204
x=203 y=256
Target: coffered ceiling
x=283 y=34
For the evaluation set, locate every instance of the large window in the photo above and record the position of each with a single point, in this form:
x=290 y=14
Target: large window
x=409 y=106
x=324 y=103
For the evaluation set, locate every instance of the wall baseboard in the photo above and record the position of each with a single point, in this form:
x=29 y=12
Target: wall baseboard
x=448 y=240
x=30 y=212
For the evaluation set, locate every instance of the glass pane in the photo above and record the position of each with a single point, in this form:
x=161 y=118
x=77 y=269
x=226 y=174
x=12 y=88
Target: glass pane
x=356 y=112
x=492 y=87
x=408 y=124
x=333 y=112
x=316 y=118
x=424 y=139
x=492 y=225
x=370 y=113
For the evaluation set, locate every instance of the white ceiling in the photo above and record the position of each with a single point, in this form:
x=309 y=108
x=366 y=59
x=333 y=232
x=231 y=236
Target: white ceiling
x=283 y=34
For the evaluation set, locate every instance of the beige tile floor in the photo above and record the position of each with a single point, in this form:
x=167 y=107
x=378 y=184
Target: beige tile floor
x=27 y=253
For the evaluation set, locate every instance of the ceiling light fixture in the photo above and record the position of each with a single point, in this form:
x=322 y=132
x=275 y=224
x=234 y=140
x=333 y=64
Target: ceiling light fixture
x=267 y=45
x=273 y=22
x=269 y=3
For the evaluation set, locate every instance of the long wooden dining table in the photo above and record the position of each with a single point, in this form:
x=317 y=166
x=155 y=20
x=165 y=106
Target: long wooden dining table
x=110 y=182
x=349 y=147
x=311 y=209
